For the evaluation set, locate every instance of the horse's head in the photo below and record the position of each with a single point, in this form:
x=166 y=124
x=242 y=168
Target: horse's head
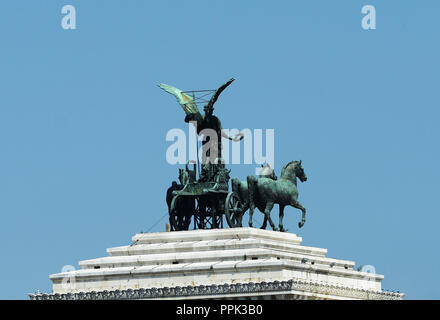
x=299 y=170
x=267 y=172
x=223 y=175
x=235 y=185
x=183 y=176
x=294 y=167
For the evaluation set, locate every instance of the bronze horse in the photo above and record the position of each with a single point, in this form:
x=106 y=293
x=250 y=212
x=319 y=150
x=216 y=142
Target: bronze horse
x=242 y=190
x=264 y=193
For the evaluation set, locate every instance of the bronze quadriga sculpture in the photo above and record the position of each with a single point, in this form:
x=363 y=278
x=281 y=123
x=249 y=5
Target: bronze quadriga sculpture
x=207 y=199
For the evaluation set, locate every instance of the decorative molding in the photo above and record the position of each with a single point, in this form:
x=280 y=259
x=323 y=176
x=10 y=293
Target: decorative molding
x=240 y=289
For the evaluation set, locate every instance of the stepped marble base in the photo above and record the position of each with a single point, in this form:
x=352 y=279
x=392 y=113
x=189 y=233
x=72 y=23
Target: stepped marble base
x=219 y=264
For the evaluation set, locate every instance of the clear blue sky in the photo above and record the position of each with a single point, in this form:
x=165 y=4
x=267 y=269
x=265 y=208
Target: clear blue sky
x=83 y=125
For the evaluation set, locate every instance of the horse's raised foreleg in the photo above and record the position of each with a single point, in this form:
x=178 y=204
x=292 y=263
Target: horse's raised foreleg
x=269 y=207
x=281 y=219
x=299 y=206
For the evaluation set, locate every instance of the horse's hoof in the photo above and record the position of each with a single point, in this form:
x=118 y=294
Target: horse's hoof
x=300 y=224
x=283 y=230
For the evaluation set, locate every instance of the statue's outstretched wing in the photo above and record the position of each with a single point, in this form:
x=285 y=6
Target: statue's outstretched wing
x=183 y=99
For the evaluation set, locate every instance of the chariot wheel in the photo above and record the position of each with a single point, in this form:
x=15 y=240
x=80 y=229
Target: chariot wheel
x=179 y=219
x=233 y=210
